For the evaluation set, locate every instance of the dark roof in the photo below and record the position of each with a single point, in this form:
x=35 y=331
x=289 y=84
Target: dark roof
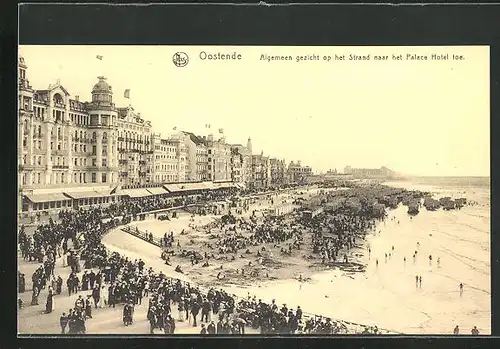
x=196 y=139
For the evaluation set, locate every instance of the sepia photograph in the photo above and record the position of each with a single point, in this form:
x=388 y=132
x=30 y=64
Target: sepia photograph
x=234 y=190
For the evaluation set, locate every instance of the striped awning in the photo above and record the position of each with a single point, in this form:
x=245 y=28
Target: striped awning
x=182 y=187
x=84 y=194
x=157 y=191
x=47 y=197
x=136 y=193
x=223 y=185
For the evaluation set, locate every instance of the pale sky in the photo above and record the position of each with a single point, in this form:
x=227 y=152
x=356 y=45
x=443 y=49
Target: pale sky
x=427 y=118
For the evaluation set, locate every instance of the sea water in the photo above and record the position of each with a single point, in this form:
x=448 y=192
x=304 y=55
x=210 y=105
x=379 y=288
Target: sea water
x=387 y=295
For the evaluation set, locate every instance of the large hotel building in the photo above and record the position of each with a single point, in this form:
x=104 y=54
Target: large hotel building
x=73 y=153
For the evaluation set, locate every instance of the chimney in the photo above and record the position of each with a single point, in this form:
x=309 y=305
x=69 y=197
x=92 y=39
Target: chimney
x=77 y=98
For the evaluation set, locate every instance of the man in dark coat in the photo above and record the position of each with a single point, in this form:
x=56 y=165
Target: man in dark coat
x=88 y=308
x=59 y=285
x=205 y=310
x=69 y=284
x=195 y=309
x=96 y=295
x=298 y=313
x=219 y=327
x=92 y=279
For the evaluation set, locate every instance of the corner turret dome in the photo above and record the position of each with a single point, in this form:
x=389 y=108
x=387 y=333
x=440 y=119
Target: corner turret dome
x=102 y=86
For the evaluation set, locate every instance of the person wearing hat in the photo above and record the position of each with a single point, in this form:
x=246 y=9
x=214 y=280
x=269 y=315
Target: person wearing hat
x=152 y=319
x=203 y=329
x=211 y=328
x=79 y=303
x=475 y=331
x=63 y=321
x=88 y=307
x=298 y=313
x=195 y=309
x=274 y=307
x=456 y=330
x=284 y=309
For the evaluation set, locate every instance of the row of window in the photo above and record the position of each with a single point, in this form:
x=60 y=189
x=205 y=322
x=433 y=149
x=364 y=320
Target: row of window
x=169 y=167
x=167 y=178
x=68 y=203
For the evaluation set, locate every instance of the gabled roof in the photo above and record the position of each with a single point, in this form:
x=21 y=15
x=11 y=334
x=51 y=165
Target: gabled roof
x=196 y=139
x=53 y=87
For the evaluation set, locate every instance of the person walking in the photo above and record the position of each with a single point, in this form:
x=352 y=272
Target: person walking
x=205 y=310
x=420 y=281
x=461 y=289
x=195 y=309
x=96 y=295
x=456 y=331
x=103 y=301
x=88 y=308
x=63 y=321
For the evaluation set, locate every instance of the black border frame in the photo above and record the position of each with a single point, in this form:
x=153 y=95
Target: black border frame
x=369 y=24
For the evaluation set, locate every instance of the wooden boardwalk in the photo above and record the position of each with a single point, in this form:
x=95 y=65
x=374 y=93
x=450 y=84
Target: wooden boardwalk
x=142 y=235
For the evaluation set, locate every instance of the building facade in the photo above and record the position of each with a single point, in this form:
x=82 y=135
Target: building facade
x=236 y=165
x=169 y=160
x=298 y=173
x=218 y=159
x=197 y=156
x=278 y=172
x=261 y=172
x=135 y=148
x=63 y=140
x=382 y=172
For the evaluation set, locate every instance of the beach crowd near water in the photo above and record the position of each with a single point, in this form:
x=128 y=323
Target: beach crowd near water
x=102 y=279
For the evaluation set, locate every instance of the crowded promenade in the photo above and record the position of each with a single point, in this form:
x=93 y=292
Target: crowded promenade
x=101 y=280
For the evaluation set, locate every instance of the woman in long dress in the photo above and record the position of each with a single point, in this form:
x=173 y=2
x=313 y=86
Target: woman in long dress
x=34 y=297
x=104 y=297
x=49 y=306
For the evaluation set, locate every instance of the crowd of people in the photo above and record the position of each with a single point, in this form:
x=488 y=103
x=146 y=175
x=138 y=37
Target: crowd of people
x=111 y=279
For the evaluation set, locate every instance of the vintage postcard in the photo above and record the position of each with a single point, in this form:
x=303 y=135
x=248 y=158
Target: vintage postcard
x=219 y=190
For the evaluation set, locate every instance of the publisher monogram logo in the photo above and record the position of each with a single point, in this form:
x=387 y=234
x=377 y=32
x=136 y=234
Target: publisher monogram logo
x=180 y=59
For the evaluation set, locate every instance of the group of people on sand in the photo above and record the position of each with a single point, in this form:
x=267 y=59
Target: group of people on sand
x=111 y=279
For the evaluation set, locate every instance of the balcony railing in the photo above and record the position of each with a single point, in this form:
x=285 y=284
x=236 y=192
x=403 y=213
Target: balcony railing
x=60 y=167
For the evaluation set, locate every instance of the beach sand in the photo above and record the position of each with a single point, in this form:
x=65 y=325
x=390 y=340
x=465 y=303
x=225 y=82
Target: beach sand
x=385 y=296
